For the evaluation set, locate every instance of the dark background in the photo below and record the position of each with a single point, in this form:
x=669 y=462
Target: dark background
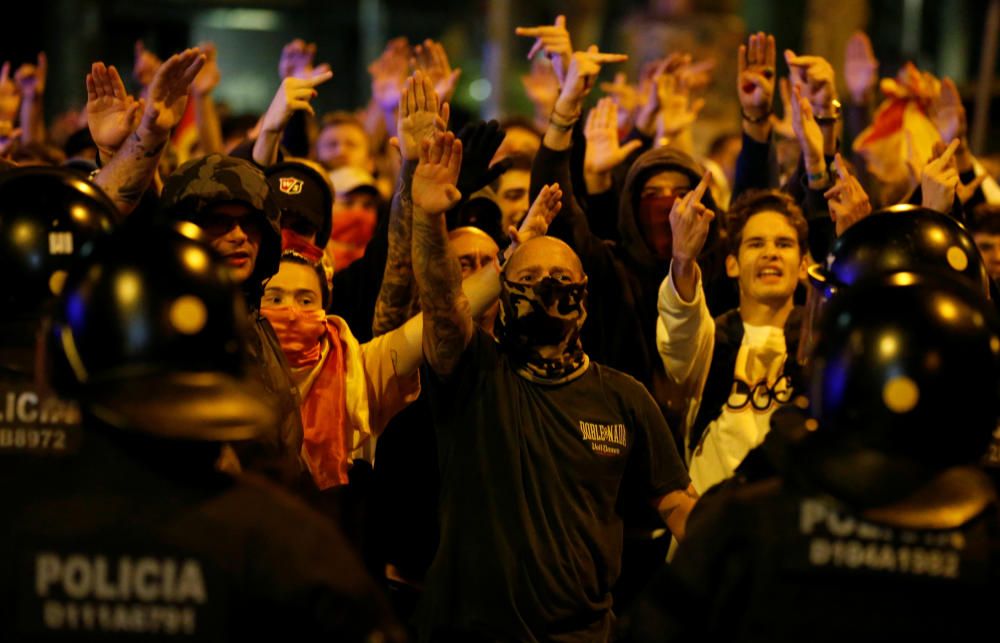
x=943 y=37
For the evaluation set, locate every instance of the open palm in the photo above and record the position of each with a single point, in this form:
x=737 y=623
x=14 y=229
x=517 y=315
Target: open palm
x=434 y=180
x=111 y=112
x=169 y=90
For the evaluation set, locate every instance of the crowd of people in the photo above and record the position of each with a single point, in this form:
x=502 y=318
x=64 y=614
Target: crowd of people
x=399 y=373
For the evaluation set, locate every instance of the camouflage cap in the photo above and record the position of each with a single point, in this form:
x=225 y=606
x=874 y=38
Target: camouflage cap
x=215 y=178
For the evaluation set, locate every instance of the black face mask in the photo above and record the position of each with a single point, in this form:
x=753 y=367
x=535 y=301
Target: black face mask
x=541 y=326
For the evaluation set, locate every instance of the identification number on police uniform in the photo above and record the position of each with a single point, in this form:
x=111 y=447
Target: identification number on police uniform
x=32 y=422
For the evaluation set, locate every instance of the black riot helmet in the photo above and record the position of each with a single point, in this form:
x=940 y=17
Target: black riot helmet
x=49 y=217
x=895 y=239
x=905 y=383
x=150 y=335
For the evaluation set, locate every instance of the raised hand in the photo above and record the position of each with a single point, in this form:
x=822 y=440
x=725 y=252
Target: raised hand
x=966 y=191
x=434 y=180
x=31 y=79
x=209 y=76
x=293 y=95
x=939 y=178
x=432 y=59
x=810 y=137
x=783 y=126
x=480 y=142
x=540 y=216
x=677 y=111
x=947 y=112
x=626 y=97
x=755 y=82
x=112 y=114
x=696 y=76
x=583 y=69
x=860 y=67
x=554 y=41
x=603 y=152
x=689 y=223
x=168 y=91
x=648 y=91
x=297 y=61
x=420 y=115
x=145 y=65
x=541 y=86
x=847 y=200
x=815 y=78
x=10 y=96
x=389 y=73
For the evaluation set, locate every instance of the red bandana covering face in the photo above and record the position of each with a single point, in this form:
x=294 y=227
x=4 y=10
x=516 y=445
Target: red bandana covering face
x=327 y=434
x=352 y=230
x=654 y=222
x=299 y=332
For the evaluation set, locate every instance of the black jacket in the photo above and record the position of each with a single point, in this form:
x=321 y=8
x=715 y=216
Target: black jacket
x=136 y=536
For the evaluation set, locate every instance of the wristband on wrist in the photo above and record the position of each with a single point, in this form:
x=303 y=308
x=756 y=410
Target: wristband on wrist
x=563 y=122
x=758 y=120
x=815 y=177
x=833 y=117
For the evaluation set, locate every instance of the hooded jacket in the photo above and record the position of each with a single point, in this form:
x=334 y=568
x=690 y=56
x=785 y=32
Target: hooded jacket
x=624 y=278
x=213 y=179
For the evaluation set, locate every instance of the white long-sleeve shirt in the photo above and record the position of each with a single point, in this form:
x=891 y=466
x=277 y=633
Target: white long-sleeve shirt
x=685 y=339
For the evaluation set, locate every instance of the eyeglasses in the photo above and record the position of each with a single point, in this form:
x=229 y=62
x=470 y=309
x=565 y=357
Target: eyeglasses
x=760 y=395
x=218 y=225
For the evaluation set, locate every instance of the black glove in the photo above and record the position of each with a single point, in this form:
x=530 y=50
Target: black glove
x=480 y=141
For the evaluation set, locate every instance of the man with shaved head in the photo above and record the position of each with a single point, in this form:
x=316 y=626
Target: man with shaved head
x=534 y=440
x=476 y=250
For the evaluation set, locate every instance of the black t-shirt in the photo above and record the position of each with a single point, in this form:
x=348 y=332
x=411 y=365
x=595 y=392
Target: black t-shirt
x=531 y=538
x=137 y=538
x=776 y=561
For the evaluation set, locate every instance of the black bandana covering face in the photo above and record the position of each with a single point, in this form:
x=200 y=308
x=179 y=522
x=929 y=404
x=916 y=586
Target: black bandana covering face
x=540 y=328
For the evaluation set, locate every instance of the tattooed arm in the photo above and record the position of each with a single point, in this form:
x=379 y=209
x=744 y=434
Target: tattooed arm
x=420 y=116
x=129 y=173
x=395 y=297
x=448 y=325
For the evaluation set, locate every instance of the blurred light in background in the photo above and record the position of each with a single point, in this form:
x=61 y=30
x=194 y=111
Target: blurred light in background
x=480 y=89
x=241 y=19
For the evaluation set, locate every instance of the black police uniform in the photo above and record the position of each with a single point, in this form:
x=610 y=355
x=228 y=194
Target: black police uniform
x=780 y=560
x=137 y=537
x=135 y=534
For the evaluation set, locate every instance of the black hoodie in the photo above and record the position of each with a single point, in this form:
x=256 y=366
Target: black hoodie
x=624 y=278
x=193 y=187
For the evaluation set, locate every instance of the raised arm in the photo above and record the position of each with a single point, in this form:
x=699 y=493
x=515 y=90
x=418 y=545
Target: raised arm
x=112 y=114
x=755 y=89
x=420 y=116
x=816 y=81
x=448 y=325
x=205 y=115
x=847 y=200
x=604 y=153
x=10 y=101
x=31 y=80
x=131 y=170
x=293 y=95
x=689 y=224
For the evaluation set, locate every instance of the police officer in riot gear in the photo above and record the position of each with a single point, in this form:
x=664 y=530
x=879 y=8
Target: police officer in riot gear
x=878 y=524
x=48 y=218
x=138 y=534
x=897 y=238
